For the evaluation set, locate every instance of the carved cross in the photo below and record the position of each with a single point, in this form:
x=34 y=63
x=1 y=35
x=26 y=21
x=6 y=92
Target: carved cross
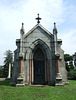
x=38 y=18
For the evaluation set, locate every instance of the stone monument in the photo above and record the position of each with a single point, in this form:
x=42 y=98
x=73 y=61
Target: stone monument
x=39 y=58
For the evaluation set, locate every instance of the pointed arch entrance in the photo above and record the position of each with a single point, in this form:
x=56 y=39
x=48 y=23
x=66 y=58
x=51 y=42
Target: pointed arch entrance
x=39 y=62
x=39 y=66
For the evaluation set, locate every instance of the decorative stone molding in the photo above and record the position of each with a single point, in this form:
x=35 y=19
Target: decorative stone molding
x=59 y=80
x=20 y=80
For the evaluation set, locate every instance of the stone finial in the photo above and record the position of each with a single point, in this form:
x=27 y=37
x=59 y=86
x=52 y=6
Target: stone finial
x=54 y=25
x=55 y=29
x=22 y=29
x=22 y=25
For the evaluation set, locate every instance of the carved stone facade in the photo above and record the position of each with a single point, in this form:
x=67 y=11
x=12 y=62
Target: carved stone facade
x=39 y=58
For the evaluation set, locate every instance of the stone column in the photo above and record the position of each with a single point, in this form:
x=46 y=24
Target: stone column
x=9 y=71
x=21 y=38
x=21 y=62
x=32 y=70
x=20 y=79
x=48 y=70
x=58 y=75
x=57 y=65
x=55 y=37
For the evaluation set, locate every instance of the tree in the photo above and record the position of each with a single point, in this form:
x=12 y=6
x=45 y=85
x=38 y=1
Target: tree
x=1 y=72
x=67 y=57
x=68 y=61
x=7 y=59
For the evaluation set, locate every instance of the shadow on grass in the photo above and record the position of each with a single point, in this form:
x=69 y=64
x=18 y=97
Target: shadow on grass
x=5 y=82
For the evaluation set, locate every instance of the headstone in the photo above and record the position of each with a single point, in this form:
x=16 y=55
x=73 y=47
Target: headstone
x=9 y=71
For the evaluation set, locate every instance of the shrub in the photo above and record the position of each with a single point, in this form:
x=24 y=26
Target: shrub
x=72 y=74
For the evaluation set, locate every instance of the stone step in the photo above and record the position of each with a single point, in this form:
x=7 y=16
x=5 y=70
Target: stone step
x=20 y=85
x=59 y=84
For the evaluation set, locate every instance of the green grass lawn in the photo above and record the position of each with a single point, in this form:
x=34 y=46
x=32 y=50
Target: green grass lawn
x=37 y=93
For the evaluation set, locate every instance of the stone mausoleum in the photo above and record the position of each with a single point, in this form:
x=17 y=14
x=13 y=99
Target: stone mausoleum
x=39 y=58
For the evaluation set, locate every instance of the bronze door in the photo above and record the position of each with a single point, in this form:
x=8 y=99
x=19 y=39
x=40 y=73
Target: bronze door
x=39 y=67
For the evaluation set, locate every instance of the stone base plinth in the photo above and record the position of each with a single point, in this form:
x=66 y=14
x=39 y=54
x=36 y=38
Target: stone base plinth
x=59 y=80
x=20 y=80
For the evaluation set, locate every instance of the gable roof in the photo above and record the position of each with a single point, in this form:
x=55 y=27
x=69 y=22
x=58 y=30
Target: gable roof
x=37 y=25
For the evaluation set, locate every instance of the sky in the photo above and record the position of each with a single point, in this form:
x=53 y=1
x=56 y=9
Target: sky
x=14 y=12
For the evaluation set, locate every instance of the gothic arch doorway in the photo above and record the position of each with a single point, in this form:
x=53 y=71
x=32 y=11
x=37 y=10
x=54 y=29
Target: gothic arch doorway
x=39 y=66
